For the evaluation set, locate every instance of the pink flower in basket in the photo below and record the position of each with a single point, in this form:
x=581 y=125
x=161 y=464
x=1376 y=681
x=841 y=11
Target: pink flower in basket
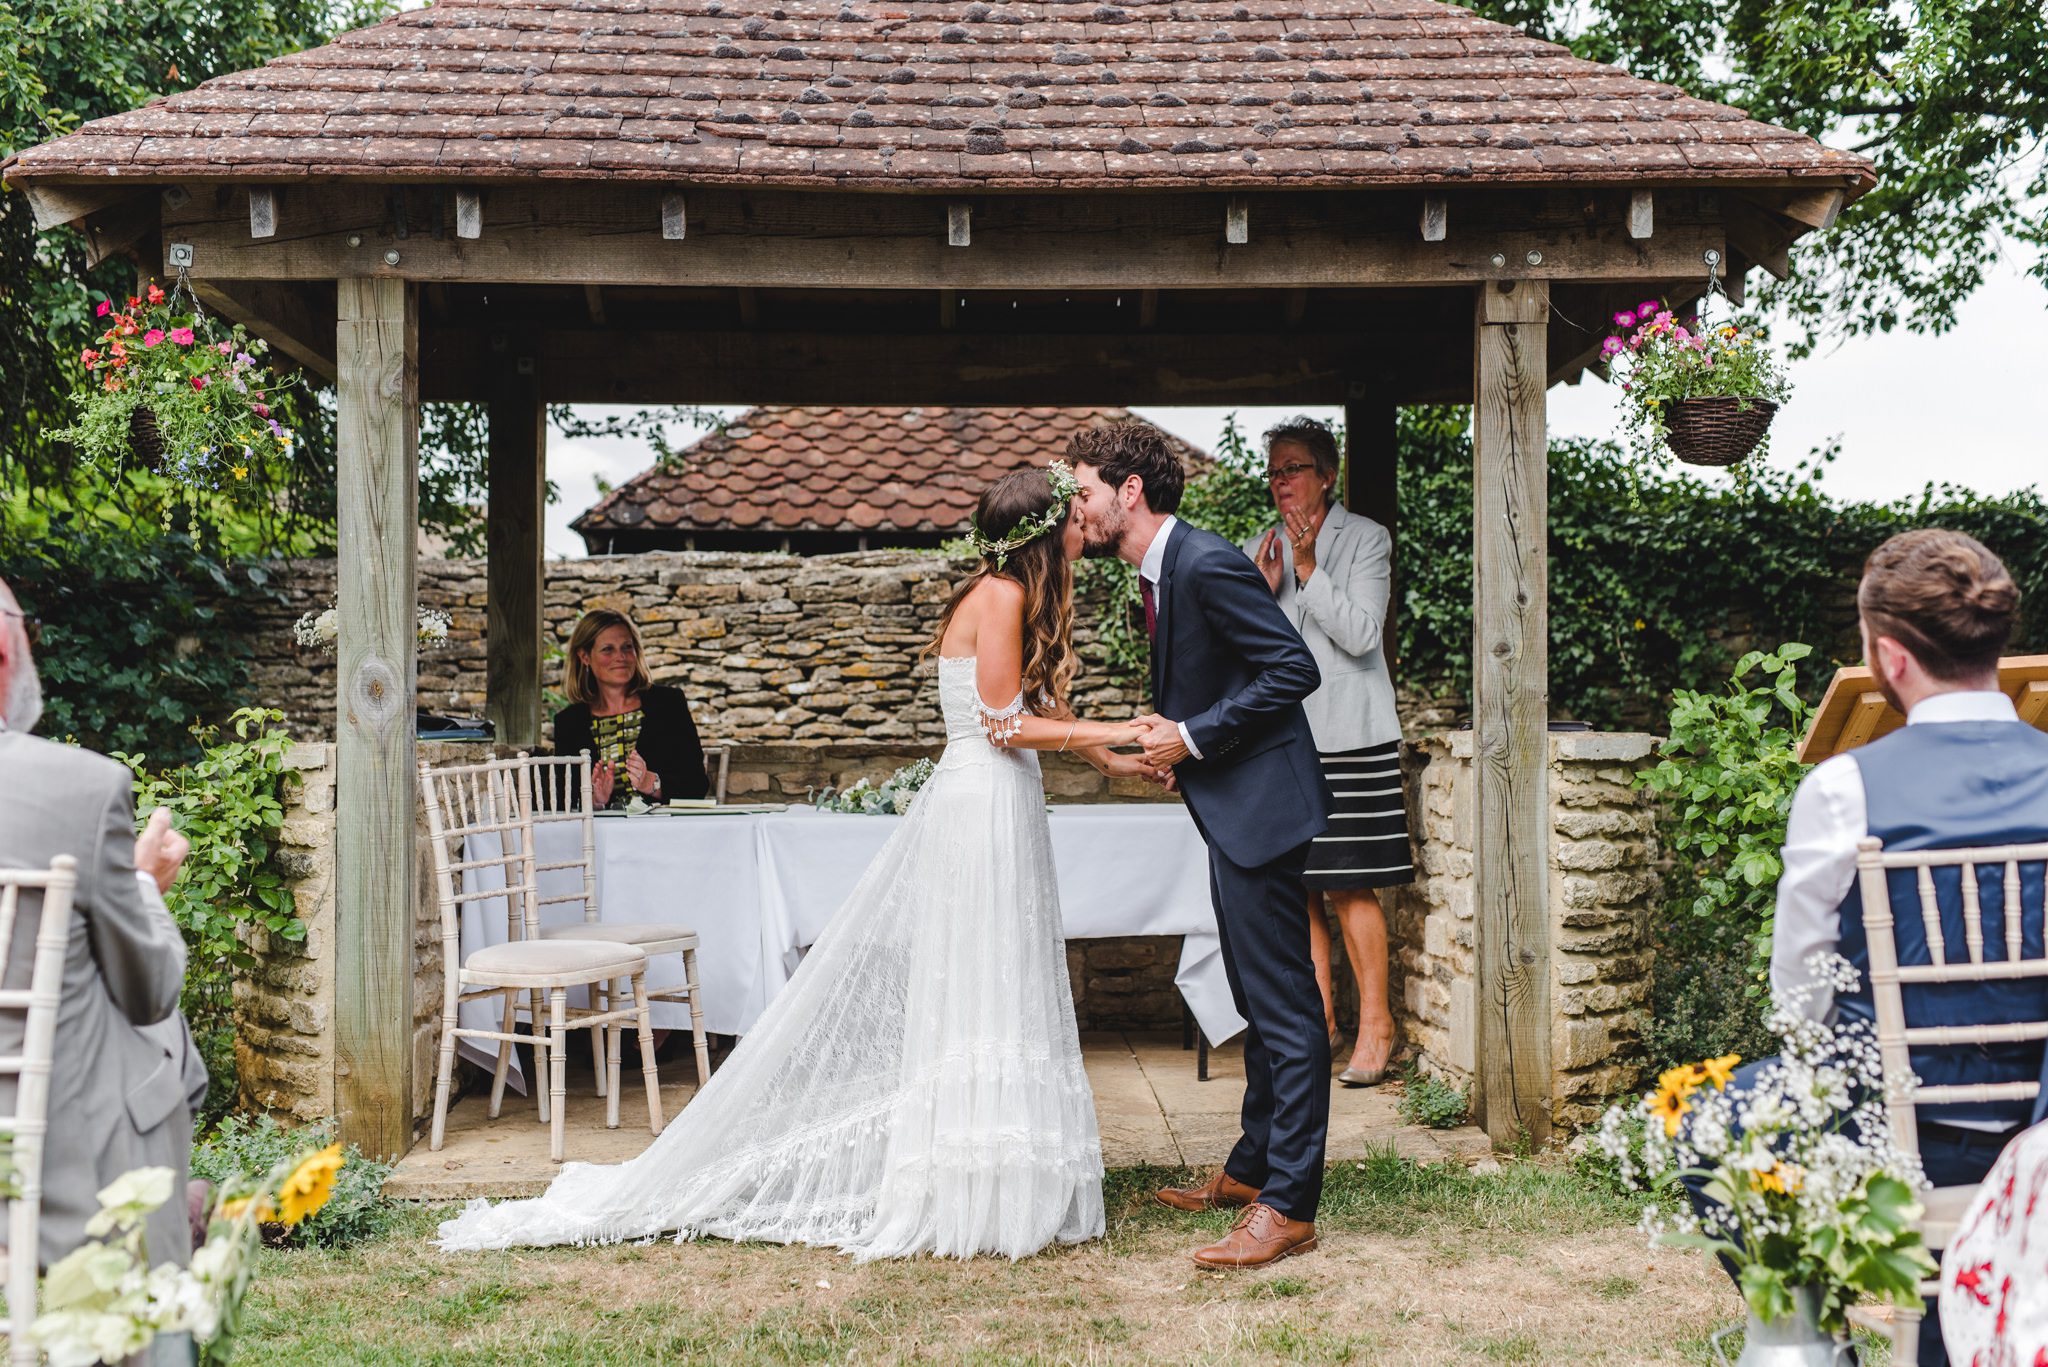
x=152 y=337
x=182 y=336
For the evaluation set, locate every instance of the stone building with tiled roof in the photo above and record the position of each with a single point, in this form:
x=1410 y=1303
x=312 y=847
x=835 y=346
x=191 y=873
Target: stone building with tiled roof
x=817 y=480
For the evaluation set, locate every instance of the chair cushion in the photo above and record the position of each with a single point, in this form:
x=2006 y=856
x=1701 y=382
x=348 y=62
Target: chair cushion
x=620 y=933
x=569 y=958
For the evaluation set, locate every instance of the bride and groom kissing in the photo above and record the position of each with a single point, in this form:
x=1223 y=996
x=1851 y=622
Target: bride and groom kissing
x=917 y=1086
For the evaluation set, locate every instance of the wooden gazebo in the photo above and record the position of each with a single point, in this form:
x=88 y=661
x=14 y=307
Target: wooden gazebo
x=1357 y=202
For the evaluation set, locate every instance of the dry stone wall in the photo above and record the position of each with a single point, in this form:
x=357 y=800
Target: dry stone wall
x=1603 y=891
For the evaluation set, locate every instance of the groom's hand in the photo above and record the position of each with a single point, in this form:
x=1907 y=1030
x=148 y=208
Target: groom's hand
x=1164 y=747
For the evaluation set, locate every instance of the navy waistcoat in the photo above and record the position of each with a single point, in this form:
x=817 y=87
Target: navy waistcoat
x=1944 y=785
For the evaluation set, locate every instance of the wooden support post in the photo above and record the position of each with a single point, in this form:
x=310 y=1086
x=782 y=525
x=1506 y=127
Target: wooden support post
x=518 y=497
x=262 y=211
x=1436 y=218
x=1372 y=466
x=1237 y=221
x=469 y=214
x=959 y=225
x=1510 y=711
x=675 y=219
x=377 y=537
x=1642 y=214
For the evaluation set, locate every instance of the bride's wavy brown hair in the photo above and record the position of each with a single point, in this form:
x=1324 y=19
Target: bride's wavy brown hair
x=1048 y=580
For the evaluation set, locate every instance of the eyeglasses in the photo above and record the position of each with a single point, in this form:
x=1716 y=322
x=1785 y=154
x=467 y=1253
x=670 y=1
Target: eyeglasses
x=1287 y=472
x=31 y=627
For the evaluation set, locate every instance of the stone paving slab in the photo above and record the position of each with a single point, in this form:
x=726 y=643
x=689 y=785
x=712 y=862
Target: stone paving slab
x=1150 y=1106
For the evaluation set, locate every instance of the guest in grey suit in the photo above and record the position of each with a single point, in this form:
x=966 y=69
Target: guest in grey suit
x=126 y=1076
x=1331 y=569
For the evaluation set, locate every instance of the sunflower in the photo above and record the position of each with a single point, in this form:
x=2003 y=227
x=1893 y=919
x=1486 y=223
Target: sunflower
x=1719 y=1070
x=309 y=1186
x=1670 y=1107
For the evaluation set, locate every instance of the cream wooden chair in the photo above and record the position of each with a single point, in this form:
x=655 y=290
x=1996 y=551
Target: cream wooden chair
x=560 y=792
x=29 y=1124
x=1888 y=981
x=481 y=841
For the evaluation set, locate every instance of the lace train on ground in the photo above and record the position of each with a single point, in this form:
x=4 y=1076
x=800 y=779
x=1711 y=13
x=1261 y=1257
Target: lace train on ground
x=917 y=1085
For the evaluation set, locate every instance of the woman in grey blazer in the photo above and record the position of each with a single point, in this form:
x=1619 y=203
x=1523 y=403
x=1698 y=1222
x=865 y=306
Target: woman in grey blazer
x=1330 y=569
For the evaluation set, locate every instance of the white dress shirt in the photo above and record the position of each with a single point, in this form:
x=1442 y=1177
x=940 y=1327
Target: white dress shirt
x=1829 y=815
x=1149 y=569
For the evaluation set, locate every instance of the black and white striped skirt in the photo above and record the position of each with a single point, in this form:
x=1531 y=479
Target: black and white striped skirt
x=1367 y=843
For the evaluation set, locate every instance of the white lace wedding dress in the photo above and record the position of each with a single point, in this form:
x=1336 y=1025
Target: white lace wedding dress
x=917 y=1085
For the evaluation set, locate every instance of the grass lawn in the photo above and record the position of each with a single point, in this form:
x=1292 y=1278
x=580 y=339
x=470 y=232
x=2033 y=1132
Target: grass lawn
x=1533 y=1263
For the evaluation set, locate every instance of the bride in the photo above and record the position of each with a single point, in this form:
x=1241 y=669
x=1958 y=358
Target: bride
x=917 y=1085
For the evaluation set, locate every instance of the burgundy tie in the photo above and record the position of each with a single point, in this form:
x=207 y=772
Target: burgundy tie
x=1151 y=607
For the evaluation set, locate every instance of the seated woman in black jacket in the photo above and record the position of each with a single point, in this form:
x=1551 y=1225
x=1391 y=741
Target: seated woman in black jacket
x=639 y=736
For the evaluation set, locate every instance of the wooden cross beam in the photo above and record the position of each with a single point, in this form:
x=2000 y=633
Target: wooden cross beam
x=546 y=234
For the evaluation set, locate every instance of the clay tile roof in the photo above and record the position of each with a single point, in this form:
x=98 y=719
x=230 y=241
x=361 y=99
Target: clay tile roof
x=901 y=470
x=938 y=94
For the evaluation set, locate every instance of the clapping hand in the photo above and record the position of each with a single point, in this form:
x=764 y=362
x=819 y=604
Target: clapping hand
x=160 y=851
x=644 y=780
x=1268 y=559
x=601 y=778
x=1301 y=532
x=1161 y=738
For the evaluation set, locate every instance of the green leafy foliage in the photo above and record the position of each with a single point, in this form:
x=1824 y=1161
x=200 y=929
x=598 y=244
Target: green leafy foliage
x=228 y=804
x=137 y=640
x=1725 y=782
x=1948 y=98
x=1429 y=1100
x=243 y=1148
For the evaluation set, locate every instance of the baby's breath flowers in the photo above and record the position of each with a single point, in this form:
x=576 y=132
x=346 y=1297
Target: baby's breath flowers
x=321 y=629
x=1804 y=1186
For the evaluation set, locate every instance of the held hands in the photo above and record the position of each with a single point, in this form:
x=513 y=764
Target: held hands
x=160 y=851
x=1161 y=738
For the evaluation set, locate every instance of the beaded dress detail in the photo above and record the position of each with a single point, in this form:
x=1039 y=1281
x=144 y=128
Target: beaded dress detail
x=915 y=1088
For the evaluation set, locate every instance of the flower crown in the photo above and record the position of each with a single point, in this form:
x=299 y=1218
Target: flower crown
x=1064 y=487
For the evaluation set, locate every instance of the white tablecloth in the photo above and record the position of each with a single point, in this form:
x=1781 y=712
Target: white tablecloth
x=759 y=887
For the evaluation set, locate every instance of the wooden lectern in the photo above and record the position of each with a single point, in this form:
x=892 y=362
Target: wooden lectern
x=1854 y=712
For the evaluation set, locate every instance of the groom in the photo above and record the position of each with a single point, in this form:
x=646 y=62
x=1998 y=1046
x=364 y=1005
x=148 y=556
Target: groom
x=1228 y=676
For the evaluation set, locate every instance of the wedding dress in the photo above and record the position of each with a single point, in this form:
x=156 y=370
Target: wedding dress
x=916 y=1087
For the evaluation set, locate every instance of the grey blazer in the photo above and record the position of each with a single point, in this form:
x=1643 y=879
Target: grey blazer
x=1341 y=614
x=126 y=1077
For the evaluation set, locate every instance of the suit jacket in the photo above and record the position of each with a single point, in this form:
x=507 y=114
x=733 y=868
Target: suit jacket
x=668 y=740
x=1227 y=664
x=1341 y=615
x=126 y=1076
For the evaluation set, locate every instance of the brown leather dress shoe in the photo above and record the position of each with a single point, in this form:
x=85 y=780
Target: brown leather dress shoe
x=1221 y=1192
x=1261 y=1235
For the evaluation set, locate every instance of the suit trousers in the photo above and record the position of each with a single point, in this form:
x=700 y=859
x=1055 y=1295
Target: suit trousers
x=1260 y=913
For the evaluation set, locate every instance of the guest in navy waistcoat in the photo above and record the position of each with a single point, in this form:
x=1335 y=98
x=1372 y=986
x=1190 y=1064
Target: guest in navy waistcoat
x=1937 y=608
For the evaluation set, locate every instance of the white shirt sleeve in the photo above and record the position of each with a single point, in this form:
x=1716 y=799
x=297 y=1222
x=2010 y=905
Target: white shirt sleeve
x=1188 y=740
x=1828 y=817
x=151 y=897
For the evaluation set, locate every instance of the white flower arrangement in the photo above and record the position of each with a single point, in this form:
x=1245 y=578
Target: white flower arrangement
x=1808 y=1190
x=322 y=630
x=892 y=797
x=103 y=1302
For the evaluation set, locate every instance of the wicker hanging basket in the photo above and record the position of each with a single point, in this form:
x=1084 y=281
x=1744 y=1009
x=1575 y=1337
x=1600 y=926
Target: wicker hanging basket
x=145 y=437
x=1717 y=431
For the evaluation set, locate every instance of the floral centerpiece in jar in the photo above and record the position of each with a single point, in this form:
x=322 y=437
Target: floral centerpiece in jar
x=180 y=394
x=1704 y=391
x=321 y=630
x=1805 y=1192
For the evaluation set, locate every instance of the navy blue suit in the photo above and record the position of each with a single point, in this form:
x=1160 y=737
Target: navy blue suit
x=1230 y=666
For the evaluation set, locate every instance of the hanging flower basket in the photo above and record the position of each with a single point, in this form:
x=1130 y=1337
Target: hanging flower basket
x=1717 y=431
x=177 y=393
x=1701 y=391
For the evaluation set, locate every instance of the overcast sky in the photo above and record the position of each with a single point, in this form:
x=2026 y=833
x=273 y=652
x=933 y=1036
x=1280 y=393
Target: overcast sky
x=1963 y=408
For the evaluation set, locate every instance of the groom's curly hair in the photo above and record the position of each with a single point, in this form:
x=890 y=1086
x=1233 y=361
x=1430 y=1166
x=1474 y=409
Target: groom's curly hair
x=1123 y=449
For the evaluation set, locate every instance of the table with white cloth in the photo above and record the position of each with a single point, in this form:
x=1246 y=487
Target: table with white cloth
x=758 y=887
